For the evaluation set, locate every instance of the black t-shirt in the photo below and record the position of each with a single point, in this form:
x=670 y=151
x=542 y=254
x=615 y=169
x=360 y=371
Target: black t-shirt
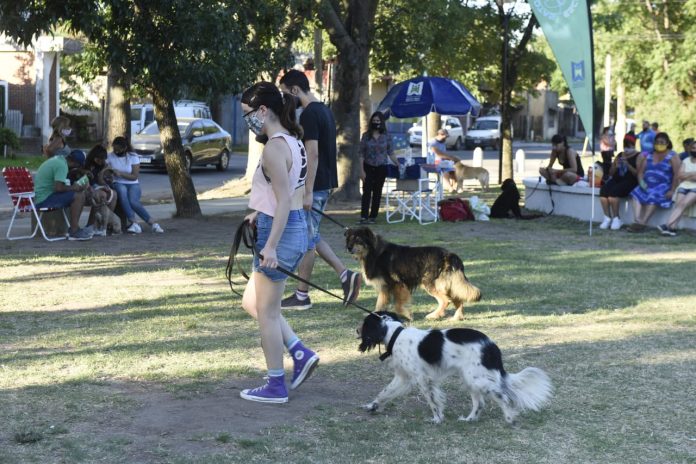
x=318 y=124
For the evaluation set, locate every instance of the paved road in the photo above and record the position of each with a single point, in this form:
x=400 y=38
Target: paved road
x=155 y=184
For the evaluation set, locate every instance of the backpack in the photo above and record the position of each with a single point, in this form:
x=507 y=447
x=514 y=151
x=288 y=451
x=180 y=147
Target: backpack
x=455 y=209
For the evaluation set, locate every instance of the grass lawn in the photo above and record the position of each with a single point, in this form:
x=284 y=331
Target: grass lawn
x=31 y=162
x=132 y=349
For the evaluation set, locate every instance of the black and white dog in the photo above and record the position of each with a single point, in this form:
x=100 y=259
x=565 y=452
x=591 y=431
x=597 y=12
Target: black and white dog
x=425 y=358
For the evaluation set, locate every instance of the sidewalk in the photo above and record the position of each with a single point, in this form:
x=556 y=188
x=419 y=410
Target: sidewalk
x=158 y=212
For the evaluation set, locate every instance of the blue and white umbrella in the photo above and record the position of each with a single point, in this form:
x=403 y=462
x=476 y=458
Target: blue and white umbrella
x=422 y=95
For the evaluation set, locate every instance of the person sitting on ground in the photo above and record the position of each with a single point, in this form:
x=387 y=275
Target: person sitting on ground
x=437 y=151
x=620 y=184
x=102 y=193
x=56 y=142
x=52 y=189
x=686 y=192
x=126 y=167
x=656 y=181
x=568 y=158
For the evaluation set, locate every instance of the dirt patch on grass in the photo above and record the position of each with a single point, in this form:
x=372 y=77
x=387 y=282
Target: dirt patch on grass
x=205 y=422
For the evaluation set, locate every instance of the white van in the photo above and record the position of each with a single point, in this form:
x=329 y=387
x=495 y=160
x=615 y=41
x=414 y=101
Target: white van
x=484 y=132
x=143 y=114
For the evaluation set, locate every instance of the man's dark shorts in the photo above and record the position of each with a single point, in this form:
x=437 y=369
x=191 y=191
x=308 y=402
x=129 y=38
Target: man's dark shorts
x=57 y=200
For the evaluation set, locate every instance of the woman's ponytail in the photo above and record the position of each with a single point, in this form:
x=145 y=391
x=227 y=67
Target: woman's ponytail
x=287 y=116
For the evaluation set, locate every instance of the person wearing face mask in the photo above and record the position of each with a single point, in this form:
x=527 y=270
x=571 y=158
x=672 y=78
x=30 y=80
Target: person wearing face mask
x=319 y=129
x=568 y=159
x=277 y=193
x=622 y=181
x=375 y=148
x=686 y=192
x=437 y=151
x=56 y=142
x=126 y=168
x=656 y=181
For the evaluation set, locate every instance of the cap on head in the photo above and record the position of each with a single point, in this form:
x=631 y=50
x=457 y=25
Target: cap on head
x=77 y=156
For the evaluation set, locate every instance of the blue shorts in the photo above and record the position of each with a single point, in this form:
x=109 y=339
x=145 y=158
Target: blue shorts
x=319 y=200
x=57 y=200
x=291 y=247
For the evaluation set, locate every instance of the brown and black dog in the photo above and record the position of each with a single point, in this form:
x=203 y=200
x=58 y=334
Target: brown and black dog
x=397 y=270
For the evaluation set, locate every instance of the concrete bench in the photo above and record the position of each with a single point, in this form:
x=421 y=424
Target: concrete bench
x=575 y=202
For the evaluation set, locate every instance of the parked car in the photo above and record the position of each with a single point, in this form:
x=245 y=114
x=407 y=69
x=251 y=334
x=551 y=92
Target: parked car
x=455 y=137
x=144 y=114
x=485 y=132
x=205 y=143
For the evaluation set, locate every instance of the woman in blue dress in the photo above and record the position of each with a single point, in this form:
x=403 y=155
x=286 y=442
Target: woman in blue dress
x=656 y=181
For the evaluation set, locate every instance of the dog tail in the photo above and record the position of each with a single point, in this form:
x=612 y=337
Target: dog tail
x=529 y=389
x=459 y=283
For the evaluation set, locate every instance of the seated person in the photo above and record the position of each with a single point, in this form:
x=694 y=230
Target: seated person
x=686 y=191
x=687 y=146
x=101 y=177
x=437 y=151
x=53 y=191
x=621 y=181
x=657 y=181
x=568 y=158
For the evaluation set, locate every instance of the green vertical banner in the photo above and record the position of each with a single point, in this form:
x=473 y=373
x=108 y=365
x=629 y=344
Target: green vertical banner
x=568 y=29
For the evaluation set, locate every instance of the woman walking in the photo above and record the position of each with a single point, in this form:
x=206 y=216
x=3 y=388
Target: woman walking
x=277 y=190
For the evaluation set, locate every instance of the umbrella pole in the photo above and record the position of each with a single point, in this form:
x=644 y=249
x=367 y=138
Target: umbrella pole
x=424 y=141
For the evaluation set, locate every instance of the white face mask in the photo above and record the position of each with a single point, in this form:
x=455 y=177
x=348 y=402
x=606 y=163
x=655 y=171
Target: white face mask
x=66 y=132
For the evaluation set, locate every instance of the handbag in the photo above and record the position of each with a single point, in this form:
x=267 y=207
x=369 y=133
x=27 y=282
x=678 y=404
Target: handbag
x=455 y=209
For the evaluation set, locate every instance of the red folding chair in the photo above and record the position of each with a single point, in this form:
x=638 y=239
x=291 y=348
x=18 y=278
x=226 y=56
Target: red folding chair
x=20 y=185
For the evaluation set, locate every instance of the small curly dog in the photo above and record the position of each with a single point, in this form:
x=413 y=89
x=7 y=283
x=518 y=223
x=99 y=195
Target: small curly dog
x=397 y=270
x=425 y=358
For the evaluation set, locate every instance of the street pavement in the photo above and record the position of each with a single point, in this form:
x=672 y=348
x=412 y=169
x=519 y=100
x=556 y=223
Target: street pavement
x=156 y=185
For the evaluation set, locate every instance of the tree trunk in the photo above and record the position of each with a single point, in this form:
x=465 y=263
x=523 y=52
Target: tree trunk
x=179 y=178
x=319 y=62
x=433 y=126
x=117 y=107
x=620 y=127
x=510 y=61
x=350 y=26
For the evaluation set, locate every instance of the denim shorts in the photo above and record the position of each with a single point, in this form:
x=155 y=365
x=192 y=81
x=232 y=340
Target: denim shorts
x=319 y=200
x=291 y=247
x=57 y=200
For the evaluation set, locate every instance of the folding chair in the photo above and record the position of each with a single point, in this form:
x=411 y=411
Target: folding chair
x=20 y=185
x=411 y=196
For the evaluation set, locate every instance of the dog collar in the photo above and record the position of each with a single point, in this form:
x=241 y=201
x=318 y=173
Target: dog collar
x=390 y=345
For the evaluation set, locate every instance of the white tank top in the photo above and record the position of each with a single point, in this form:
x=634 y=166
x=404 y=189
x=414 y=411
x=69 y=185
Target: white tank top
x=262 y=197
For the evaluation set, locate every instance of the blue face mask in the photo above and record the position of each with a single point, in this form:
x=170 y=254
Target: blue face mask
x=254 y=123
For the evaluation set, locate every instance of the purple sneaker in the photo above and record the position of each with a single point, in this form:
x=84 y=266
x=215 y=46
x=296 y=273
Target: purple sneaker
x=273 y=392
x=305 y=361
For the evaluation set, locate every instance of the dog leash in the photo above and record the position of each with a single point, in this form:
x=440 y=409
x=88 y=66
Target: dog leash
x=330 y=218
x=246 y=234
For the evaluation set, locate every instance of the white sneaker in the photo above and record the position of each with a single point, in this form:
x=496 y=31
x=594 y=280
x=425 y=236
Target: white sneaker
x=100 y=232
x=616 y=223
x=605 y=223
x=134 y=228
x=157 y=229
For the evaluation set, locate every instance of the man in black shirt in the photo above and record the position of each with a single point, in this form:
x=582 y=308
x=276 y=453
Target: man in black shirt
x=319 y=139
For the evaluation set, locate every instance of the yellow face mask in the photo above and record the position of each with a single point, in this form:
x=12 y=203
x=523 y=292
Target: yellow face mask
x=660 y=147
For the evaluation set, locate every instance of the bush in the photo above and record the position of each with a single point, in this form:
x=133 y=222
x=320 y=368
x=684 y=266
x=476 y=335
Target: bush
x=9 y=139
